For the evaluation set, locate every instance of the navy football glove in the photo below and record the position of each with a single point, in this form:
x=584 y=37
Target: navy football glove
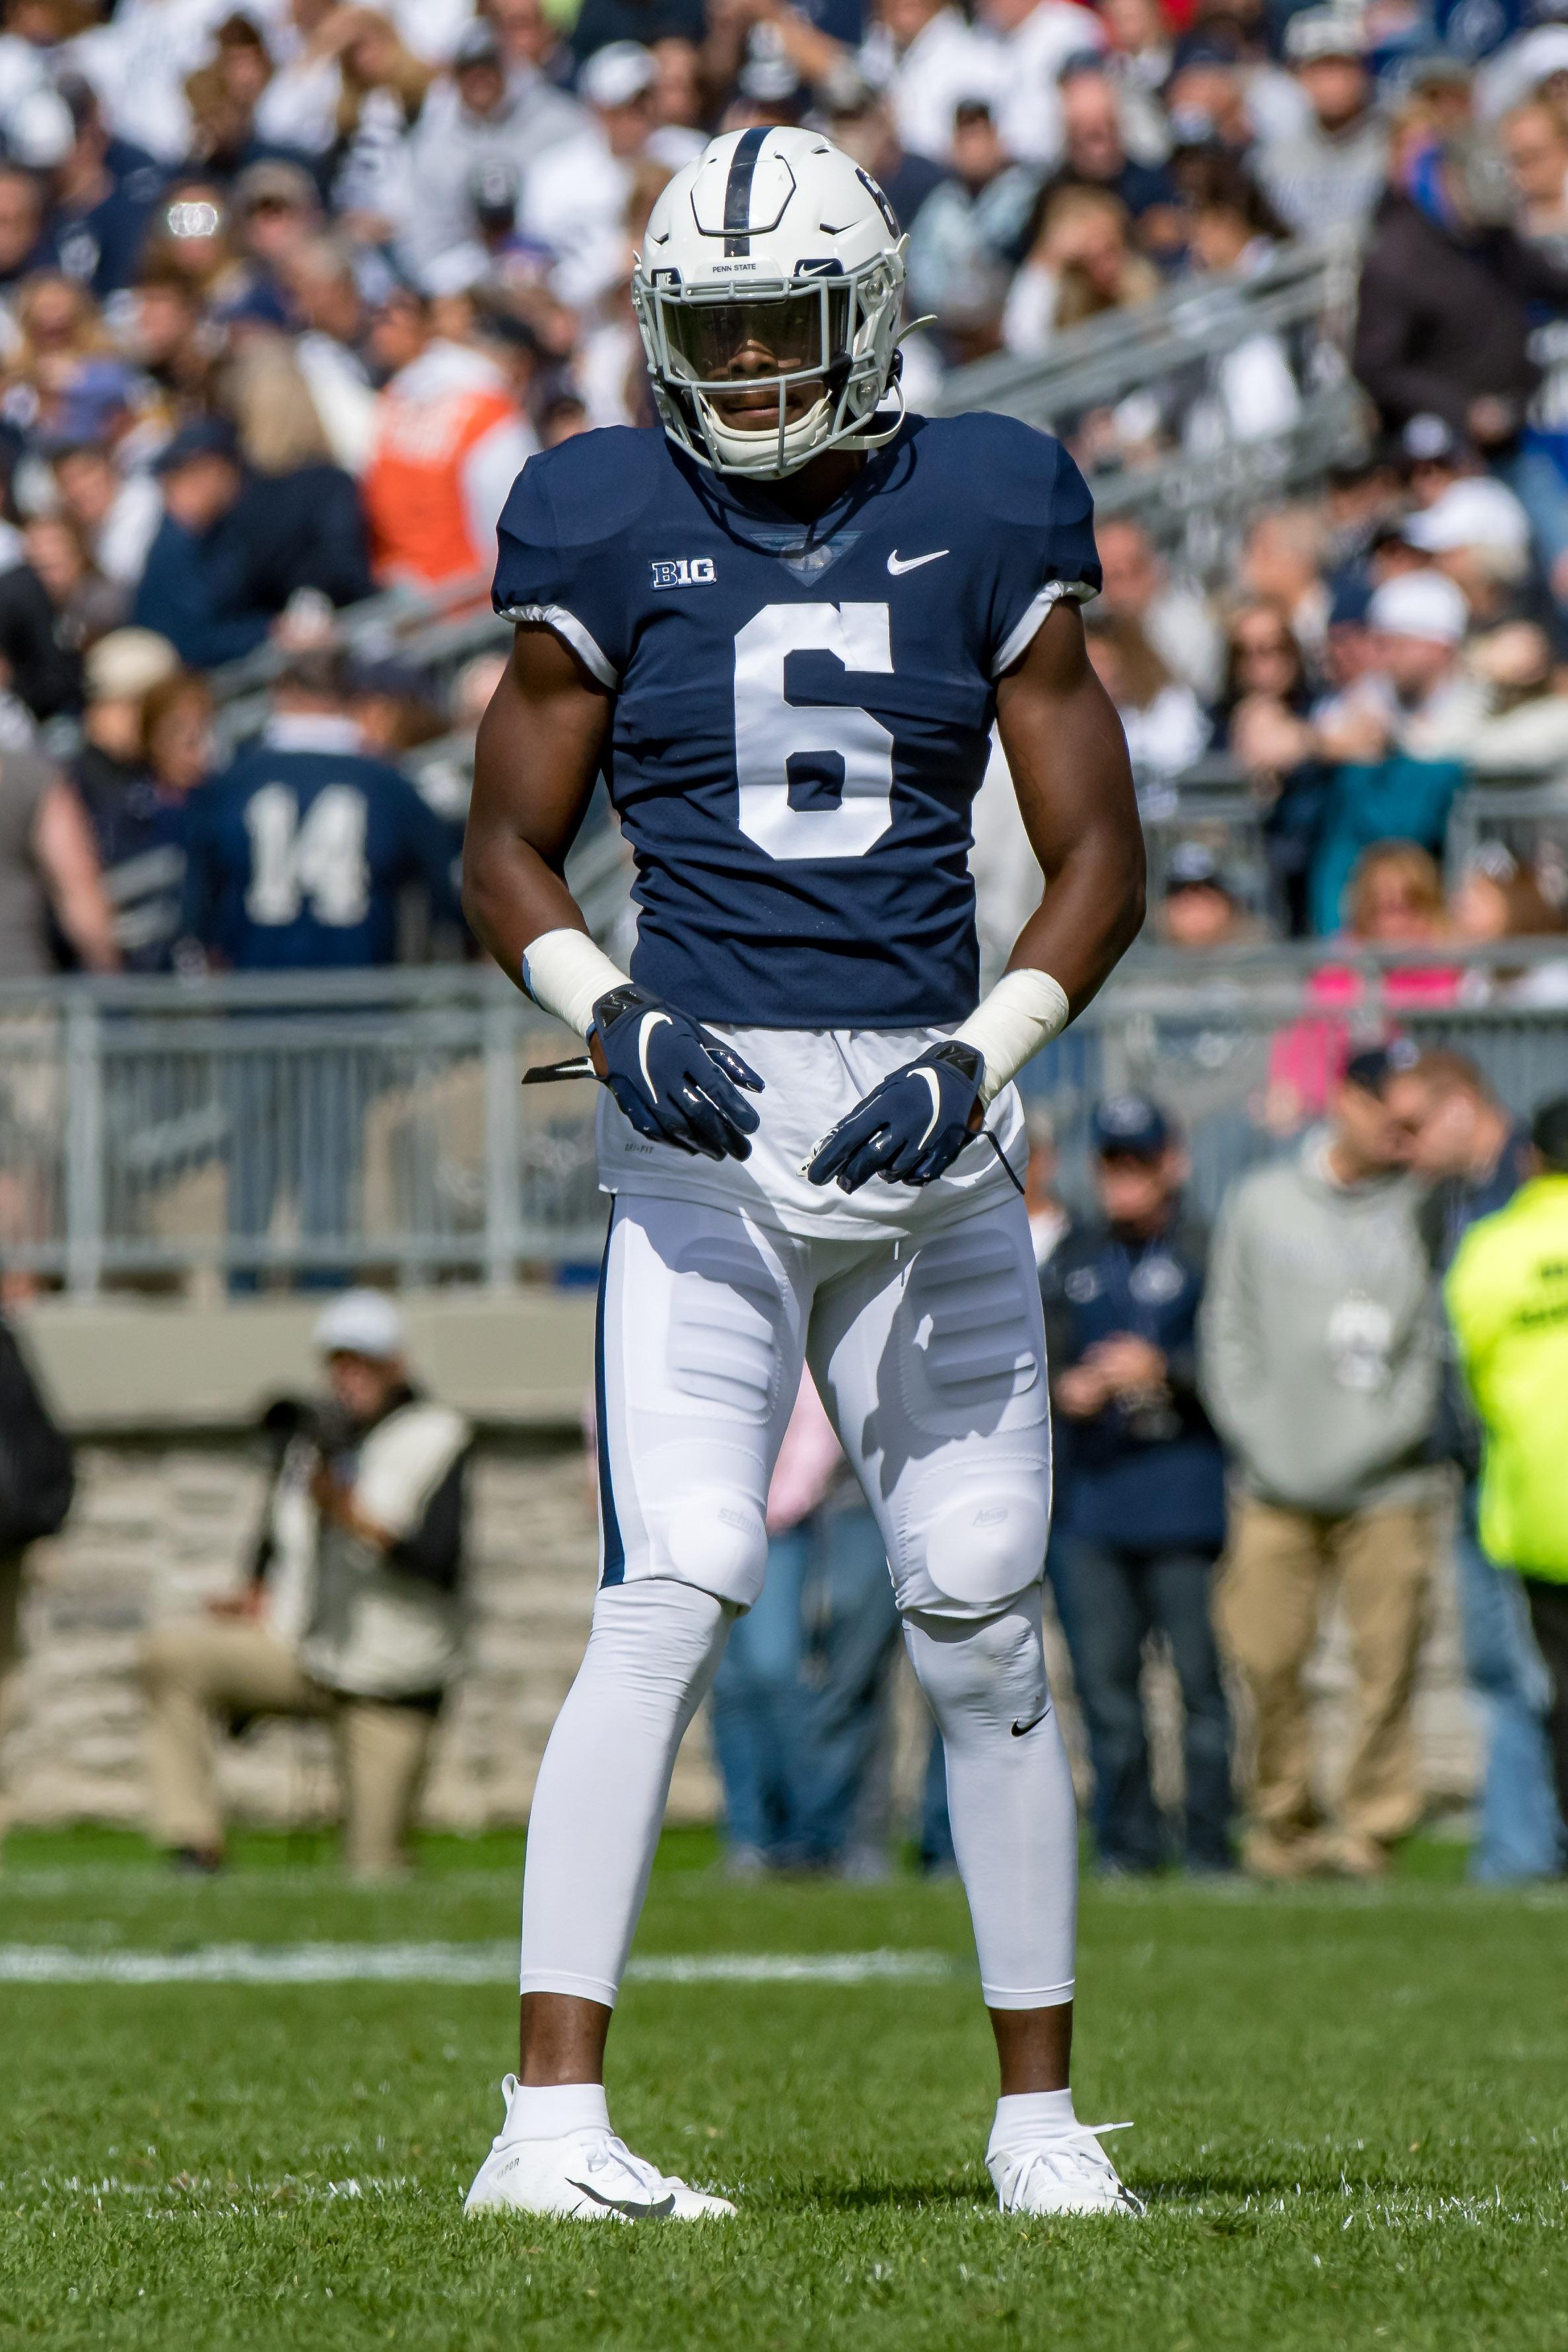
x=674 y=1079
x=912 y=1127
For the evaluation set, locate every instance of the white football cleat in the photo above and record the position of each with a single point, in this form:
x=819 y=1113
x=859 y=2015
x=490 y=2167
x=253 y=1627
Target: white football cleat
x=1070 y=2173
x=584 y=2176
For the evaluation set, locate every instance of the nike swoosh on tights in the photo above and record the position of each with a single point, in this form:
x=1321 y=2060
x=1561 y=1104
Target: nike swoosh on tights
x=651 y=2210
x=897 y=564
x=1022 y=1730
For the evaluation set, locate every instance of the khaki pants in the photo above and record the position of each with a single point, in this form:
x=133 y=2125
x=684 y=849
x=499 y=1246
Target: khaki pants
x=1276 y=1574
x=190 y=1670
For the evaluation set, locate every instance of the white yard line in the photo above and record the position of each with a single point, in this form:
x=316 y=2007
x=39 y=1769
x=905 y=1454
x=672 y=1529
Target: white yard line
x=452 y=1963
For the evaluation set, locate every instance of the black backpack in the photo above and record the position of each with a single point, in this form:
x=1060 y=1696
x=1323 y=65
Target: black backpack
x=37 y=1475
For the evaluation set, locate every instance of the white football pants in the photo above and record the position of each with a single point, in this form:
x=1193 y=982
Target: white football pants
x=930 y=1359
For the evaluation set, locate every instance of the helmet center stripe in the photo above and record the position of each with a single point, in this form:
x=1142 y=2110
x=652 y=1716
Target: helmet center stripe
x=738 y=192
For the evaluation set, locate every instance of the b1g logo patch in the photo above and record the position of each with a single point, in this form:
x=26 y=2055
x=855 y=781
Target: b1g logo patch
x=684 y=571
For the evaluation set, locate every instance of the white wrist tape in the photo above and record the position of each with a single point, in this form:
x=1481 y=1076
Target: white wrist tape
x=564 y=972
x=1024 y=1012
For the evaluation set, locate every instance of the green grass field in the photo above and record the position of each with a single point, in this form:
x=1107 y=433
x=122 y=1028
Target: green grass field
x=1351 y=2126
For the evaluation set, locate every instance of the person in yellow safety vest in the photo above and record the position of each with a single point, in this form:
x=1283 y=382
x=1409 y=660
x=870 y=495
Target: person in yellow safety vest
x=1507 y=1295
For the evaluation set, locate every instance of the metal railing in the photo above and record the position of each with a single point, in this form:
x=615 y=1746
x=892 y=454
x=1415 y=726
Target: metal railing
x=310 y=1124
x=319 y=1127
x=1211 y=802
x=1306 y=295
x=1531 y=820
x=1310 y=283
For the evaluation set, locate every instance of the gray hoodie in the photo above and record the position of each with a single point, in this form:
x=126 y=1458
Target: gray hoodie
x=1319 y=1341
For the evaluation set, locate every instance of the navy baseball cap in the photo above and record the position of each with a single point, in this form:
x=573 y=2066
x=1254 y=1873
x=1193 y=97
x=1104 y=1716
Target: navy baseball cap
x=1129 y=1126
x=205 y=436
x=1193 y=866
x=1372 y=1068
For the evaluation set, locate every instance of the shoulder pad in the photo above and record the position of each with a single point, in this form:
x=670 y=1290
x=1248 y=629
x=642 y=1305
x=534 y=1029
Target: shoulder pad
x=588 y=489
x=1016 y=470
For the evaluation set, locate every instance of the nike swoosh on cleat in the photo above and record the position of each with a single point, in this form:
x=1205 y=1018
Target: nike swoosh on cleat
x=897 y=564
x=1022 y=1730
x=659 y=2211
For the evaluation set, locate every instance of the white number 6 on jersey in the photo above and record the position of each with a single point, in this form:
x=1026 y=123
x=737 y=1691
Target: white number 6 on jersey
x=769 y=732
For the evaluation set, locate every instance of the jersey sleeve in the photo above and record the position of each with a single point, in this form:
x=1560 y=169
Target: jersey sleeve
x=560 y=561
x=1041 y=520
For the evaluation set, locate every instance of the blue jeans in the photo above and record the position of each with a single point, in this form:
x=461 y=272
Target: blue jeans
x=854 y=1640
x=1117 y=1598
x=1521 y=1835
x=295 y=1124
x=759 y=1705
x=1535 y=477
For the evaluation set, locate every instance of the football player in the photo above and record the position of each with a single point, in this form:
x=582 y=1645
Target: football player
x=782 y=628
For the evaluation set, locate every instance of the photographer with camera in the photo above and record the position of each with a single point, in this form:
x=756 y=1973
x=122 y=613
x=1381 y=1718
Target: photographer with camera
x=353 y=1609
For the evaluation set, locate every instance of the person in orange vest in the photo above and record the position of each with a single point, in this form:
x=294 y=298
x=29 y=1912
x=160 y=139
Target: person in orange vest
x=447 y=443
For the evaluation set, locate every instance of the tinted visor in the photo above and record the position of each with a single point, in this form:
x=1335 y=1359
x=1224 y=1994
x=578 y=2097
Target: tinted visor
x=717 y=342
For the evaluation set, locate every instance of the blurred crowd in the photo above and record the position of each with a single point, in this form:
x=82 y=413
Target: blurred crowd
x=1357 y=1376
x=289 y=292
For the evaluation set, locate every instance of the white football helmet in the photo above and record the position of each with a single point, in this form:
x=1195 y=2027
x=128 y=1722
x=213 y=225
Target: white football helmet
x=773 y=240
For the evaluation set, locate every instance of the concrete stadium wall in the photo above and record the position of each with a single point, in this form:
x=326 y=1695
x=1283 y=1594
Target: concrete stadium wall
x=158 y=1527
x=161 y=1397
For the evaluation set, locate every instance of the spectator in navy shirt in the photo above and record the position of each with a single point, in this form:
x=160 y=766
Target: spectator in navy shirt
x=296 y=859
x=144 y=751
x=1140 y=1510
x=1095 y=155
x=299 y=851
x=234 y=548
x=24 y=247
x=105 y=193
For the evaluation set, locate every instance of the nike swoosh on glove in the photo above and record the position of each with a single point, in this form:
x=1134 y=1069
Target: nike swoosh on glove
x=674 y=1079
x=911 y=1127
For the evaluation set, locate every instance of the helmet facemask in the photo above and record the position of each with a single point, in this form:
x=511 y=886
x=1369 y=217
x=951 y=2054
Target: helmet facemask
x=809 y=359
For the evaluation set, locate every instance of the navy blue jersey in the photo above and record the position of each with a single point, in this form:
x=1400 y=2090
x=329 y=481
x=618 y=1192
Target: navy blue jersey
x=296 y=857
x=140 y=834
x=802 y=713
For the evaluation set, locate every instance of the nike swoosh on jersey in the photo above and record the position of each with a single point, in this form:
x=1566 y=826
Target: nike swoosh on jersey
x=651 y=2208
x=898 y=564
x=1022 y=1730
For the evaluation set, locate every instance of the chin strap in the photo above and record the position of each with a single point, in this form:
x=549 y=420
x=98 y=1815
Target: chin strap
x=869 y=440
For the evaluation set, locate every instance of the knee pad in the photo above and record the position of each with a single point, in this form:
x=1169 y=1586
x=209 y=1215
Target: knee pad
x=972 y=1535
x=989 y=1544
x=713 y=1537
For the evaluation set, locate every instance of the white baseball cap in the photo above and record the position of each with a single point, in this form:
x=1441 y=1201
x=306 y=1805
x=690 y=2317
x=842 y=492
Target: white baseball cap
x=1314 y=33
x=361 y=1323
x=127 y=663
x=1475 y=511
x=1420 y=604
x=617 y=74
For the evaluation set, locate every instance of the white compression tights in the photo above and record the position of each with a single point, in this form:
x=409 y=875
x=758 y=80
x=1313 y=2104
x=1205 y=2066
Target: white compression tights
x=1010 y=1796
x=601 y=1789
x=599 y=1801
